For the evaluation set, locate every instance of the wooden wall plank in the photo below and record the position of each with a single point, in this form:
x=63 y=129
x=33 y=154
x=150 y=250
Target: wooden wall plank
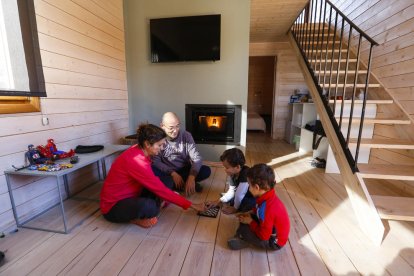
x=64 y=33
x=33 y=123
x=55 y=45
x=57 y=61
x=392 y=70
x=115 y=6
x=87 y=16
x=60 y=135
x=79 y=79
x=62 y=91
x=55 y=14
x=74 y=105
x=99 y=11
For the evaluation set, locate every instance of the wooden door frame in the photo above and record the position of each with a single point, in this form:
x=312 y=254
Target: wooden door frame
x=275 y=97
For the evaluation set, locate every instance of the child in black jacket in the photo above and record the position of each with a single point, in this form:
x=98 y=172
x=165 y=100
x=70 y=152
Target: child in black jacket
x=238 y=197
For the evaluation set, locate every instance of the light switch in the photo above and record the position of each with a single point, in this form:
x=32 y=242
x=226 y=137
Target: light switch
x=45 y=121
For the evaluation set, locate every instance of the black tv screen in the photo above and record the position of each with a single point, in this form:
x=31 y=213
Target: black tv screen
x=189 y=38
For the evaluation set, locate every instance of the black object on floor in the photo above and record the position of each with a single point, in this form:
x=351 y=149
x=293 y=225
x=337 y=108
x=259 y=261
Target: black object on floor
x=198 y=187
x=318 y=163
x=1 y=257
x=211 y=213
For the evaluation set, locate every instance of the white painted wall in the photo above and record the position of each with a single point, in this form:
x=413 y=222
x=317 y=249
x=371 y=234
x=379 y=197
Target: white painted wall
x=160 y=87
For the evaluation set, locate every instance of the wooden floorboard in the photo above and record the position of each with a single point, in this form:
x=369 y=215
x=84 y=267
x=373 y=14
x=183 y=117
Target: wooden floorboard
x=325 y=238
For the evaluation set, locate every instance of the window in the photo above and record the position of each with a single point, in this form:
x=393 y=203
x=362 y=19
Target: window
x=21 y=71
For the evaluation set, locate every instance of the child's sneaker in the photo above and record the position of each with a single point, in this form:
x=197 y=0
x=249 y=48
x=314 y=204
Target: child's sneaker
x=146 y=222
x=237 y=243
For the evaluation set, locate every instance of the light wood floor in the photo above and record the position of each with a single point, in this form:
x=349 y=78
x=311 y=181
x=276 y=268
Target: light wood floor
x=324 y=239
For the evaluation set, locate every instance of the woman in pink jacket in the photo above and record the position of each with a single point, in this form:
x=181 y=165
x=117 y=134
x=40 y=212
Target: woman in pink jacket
x=131 y=192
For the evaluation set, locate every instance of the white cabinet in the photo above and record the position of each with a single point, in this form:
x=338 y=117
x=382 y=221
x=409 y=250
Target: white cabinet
x=301 y=114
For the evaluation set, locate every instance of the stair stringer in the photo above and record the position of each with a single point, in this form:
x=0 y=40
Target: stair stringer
x=365 y=211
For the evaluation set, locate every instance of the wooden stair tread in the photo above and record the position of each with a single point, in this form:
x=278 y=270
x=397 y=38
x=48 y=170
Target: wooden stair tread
x=335 y=60
x=359 y=85
x=330 y=51
x=384 y=143
x=316 y=34
x=386 y=171
x=377 y=121
x=343 y=72
x=324 y=42
x=360 y=101
x=397 y=208
x=308 y=26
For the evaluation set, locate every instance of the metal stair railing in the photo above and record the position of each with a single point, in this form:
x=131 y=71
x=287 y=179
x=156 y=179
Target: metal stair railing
x=320 y=31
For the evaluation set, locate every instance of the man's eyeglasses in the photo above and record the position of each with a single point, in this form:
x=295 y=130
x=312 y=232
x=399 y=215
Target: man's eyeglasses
x=177 y=127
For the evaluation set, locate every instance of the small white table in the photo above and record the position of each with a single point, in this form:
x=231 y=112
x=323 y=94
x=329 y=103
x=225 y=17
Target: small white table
x=84 y=160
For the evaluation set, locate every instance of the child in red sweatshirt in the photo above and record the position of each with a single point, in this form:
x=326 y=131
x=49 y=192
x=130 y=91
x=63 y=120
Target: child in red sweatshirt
x=267 y=225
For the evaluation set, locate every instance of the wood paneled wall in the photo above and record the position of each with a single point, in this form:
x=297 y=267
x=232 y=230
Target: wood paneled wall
x=83 y=54
x=390 y=23
x=288 y=78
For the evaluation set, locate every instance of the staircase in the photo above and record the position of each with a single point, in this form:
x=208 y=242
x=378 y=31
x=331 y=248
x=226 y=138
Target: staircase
x=347 y=97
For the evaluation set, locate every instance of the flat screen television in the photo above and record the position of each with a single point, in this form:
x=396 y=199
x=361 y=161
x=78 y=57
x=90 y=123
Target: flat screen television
x=189 y=38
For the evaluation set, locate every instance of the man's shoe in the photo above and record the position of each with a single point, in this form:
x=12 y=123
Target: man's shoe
x=198 y=187
x=237 y=244
x=146 y=222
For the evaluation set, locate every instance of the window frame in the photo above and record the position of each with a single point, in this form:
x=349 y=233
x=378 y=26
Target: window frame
x=12 y=101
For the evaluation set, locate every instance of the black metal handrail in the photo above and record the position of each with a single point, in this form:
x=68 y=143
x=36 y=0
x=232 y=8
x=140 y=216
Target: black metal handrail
x=316 y=33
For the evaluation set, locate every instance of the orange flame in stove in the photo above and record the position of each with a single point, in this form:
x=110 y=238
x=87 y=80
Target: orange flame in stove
x=212 y=121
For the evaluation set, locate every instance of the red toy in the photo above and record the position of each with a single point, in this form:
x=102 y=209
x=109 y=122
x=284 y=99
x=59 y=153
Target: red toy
x=51 y=151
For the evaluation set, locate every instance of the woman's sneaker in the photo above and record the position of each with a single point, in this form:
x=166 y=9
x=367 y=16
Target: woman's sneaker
x=146 y=222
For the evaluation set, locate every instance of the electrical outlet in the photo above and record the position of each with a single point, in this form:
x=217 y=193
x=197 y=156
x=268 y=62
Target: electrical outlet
x=45 y=121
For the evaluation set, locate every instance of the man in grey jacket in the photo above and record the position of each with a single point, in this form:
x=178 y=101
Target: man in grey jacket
x=180 y=158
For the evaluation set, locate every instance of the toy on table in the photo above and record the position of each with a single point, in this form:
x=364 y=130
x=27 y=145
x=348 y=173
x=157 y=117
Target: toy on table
x=51 y=151
x=210 y=212
x=33 y=156
x=74 y=159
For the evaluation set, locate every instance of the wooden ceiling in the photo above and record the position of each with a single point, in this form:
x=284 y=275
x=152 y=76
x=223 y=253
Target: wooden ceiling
x=271 y=19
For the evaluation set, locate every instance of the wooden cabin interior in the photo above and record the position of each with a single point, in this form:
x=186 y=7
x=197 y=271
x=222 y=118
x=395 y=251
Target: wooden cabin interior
x=354 y=61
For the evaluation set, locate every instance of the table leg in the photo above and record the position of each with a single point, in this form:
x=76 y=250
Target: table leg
x=62 y=208
x=103 y=168
x=65 y=182
x=99 y=170
x=12 y=200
